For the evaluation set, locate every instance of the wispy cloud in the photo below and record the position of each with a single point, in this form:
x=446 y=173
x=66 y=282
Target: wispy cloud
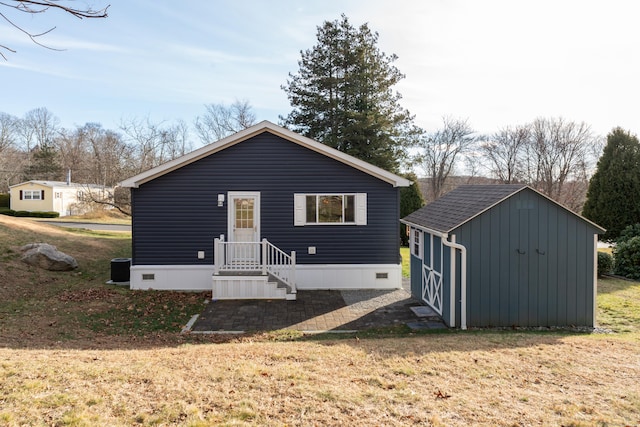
x=197 y=54
x=67 y=43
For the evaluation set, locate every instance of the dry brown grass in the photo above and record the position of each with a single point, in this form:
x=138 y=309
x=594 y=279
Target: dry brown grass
x=487 y=379
x=57 y=368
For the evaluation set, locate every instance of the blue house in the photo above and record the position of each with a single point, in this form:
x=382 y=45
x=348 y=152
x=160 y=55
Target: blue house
x=503 y=256
x=263 y=213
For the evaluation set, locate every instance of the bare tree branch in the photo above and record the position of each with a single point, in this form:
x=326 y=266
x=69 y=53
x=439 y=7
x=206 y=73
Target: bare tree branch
x=42 y=6
x=220 y=121
x=440 y=149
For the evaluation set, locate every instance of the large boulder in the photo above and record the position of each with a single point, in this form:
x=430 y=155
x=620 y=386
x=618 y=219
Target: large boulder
x=48 y=257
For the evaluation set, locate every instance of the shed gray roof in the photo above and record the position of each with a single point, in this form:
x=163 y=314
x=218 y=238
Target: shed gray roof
x=460 y=205
x=465 y=203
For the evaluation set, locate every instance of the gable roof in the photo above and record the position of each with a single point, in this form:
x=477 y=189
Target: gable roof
x=465 y=202
x=265 y=126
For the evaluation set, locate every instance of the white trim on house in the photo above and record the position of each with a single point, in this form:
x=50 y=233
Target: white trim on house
x=32 y=195
x=171 y=277
x=348 y=276
x=300 y=209
x=231 y=210
x=308 y=277
x=136 y=181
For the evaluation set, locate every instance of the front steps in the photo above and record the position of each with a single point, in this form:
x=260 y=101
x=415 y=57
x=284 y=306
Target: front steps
x=249 y=286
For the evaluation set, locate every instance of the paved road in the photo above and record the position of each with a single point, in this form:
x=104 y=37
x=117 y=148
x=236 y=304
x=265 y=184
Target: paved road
x=91 y=226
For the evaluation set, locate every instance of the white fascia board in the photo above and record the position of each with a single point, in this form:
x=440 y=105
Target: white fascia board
x=137 y=180
x=426 y=229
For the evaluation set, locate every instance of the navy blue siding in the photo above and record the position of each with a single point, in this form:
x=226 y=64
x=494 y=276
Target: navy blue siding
x=176 y=215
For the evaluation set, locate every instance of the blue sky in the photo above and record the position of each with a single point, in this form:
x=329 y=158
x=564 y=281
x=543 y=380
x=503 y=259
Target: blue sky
x=495 y=63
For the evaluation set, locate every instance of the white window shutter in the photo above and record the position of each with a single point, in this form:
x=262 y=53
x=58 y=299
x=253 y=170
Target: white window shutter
x=361 y=209
x=299 y=214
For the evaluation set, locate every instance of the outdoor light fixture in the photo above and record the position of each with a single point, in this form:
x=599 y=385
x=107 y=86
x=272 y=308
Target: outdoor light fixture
x=220 y=200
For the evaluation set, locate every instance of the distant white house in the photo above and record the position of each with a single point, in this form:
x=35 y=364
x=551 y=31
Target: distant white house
x=66 y=198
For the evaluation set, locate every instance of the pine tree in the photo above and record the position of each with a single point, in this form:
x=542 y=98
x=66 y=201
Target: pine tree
x=44 y=164
x=343 y=95
x=410 y=200
x=613 y=197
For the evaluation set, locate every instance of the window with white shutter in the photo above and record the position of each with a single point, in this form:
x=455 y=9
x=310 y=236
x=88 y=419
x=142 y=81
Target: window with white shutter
x=330 y=209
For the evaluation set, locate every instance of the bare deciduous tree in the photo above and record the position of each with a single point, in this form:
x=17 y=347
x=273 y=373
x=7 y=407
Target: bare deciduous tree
x=220 y=121
x=8 y=131
x=504 y=151
x=558 y=151
x=440 y=150
x=155 y=143
x=35 y=7
x=10 y=156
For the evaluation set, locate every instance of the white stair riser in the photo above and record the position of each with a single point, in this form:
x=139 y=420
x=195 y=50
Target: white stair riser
x=246 y=288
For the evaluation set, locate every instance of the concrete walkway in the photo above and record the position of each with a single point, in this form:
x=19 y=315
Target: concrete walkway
x=316 y=311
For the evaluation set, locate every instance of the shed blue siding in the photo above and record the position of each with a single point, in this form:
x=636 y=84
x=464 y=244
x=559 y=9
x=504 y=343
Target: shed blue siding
x=416 y=277
x=176 y=214
x=530 y=263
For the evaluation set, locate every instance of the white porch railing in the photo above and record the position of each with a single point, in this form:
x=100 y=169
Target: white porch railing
x=262 y=257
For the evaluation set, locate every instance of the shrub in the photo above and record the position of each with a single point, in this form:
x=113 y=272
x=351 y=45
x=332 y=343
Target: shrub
x=627 y=258
x=4 y=200
x=27 y=214
x=629 y=232
x=605 y=263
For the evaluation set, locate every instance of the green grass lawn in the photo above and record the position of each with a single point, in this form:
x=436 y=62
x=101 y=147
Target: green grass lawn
x=619 y=305
x=406 y=258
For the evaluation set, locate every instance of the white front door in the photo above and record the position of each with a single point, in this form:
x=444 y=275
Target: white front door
x=244 y=226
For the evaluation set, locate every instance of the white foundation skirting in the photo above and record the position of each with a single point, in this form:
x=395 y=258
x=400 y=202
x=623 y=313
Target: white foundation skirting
x=308 y=277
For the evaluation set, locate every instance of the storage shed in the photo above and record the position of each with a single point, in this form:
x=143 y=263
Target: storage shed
x=503 y=256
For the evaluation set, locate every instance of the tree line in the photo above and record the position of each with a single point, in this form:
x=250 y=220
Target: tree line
x=342 y=95
x=36 y=147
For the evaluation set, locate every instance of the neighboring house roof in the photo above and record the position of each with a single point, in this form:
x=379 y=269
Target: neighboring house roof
x=466 y=202
x=261 y=127
x=58 y=184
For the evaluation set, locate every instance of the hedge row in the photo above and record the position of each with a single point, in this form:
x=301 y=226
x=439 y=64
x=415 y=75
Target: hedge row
x=4 y=200
x=36 y=214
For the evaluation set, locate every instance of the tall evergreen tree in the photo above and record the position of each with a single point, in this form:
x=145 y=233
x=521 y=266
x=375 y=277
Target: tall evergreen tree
x=410 y=200
x=343 y=95
x=44 y=164
x=613 y=197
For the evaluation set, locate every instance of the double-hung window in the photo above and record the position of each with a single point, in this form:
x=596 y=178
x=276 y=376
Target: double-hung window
x=330 y=209
x=32 y=195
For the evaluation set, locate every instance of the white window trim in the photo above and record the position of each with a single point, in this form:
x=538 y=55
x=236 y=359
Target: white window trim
x=412 y=243
x=300 y=209
x=31 y=194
